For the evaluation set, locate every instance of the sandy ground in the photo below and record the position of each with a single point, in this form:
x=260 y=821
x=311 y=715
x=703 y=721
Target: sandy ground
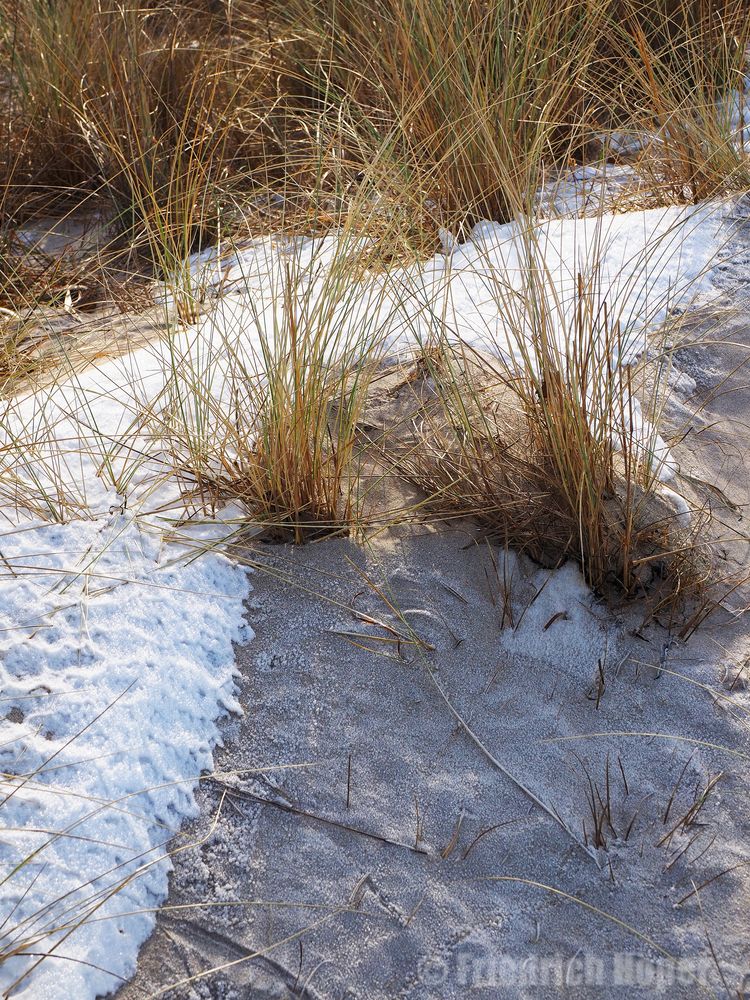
x=376 y=862
x=448 y=728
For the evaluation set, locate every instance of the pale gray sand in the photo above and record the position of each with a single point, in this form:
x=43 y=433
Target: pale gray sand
x=431 y=924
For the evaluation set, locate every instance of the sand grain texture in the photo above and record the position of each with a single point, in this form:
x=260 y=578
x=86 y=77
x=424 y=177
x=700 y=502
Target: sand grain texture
x=431 y=820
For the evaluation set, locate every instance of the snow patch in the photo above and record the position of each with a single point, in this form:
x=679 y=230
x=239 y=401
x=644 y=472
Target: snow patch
x=115 y=680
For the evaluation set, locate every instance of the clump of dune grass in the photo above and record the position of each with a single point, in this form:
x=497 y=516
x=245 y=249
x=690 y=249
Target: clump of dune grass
x=262 y=406
x=471 y=98
x=151 y=112
x=185 y=120
x=550 y=476
x=140 y=67
x=684 y=70
x=543 y=442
